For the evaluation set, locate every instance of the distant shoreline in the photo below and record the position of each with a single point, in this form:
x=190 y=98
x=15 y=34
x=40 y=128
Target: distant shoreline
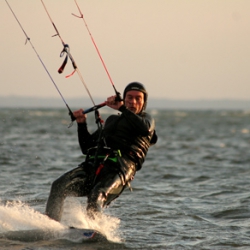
x=154 y=103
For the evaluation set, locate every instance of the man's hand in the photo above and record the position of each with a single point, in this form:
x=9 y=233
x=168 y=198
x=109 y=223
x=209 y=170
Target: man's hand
x=113 y=103
x=80 y=117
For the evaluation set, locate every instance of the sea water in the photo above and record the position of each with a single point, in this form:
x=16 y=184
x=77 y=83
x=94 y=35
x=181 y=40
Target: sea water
x=193 y=191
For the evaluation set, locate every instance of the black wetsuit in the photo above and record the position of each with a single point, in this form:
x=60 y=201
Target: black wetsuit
x=110 y=165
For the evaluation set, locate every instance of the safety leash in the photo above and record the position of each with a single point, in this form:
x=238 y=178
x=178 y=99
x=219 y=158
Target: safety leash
x=67 y=51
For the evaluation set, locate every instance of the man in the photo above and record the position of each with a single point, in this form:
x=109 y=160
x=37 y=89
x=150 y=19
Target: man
x=113 y=154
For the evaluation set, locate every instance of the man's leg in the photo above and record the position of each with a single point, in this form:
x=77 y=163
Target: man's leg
x=72 y=183
x=105 y=191
x=110 y=184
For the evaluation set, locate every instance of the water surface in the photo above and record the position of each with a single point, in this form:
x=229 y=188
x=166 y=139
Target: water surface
x=192 y=192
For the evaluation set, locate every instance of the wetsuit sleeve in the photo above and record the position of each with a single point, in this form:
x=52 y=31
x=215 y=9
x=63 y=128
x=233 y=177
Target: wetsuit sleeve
x=144 y=124
x=86 y=140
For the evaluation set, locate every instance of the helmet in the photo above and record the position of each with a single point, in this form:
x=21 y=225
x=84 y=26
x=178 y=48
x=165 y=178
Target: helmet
x=138 y=87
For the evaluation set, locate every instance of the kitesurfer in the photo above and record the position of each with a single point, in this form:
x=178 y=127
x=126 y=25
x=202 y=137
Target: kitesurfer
x=114 y=153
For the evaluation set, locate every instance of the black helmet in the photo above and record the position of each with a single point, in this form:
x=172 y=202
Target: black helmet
x=139 y=87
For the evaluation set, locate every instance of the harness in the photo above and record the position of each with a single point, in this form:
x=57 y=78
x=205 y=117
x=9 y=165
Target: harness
x=106 y=155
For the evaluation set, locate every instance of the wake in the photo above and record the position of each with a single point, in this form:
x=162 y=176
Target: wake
x=17 y=218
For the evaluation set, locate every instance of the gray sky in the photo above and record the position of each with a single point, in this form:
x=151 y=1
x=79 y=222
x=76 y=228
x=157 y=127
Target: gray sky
x=180 y=49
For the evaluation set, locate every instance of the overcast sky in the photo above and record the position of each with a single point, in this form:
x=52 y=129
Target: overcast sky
x=180 y=49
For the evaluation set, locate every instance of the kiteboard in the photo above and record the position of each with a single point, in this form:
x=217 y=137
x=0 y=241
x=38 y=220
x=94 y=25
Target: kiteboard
x=71 y=234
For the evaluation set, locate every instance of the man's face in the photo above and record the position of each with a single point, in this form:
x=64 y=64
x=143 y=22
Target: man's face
x=134 y=101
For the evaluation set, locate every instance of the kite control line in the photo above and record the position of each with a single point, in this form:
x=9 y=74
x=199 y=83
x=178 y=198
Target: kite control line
x=28 y=40
x=118 y=95
x=67 y=51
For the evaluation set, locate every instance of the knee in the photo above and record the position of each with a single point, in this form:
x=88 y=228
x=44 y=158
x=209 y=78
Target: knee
x=57 y=185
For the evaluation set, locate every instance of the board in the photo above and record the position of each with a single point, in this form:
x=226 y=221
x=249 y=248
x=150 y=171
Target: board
x=71 y=234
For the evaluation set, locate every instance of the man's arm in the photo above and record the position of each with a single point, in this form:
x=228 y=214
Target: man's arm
x=85 y=139
x=143 y=124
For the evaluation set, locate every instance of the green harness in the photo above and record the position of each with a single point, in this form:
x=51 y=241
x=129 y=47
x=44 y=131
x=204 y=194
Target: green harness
x=105 y=157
